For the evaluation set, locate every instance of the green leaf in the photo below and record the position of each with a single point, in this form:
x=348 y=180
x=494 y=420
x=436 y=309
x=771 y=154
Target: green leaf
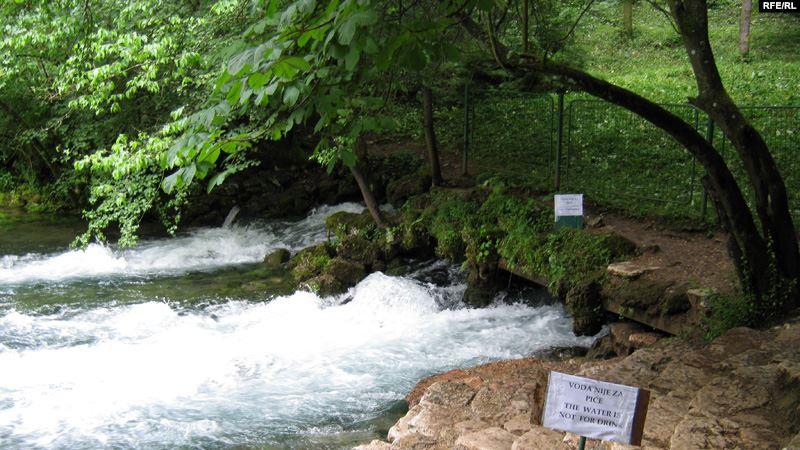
x=234 y=93
x=241 y=62
x=168 y=185
x=257 y=80
x=348 y=29
x=290 y=95
x=298 y=63
x=188 y=174
x=216 y=180
x=351 y=60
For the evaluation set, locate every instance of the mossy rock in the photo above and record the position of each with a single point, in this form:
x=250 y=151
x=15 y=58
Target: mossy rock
x=417 y=203
x=400 y=190
x=349 y=273
x=323 y=285
x=358 y=248
x=584 y=304
x=676 y=301
x=310 y=262
x=344 y=223
x=639 y=294
x=277 y=257
x=396 y=267
x=414 y=239
x=479 y=297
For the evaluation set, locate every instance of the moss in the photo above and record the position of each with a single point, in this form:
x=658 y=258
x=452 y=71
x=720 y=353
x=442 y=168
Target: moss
x=277 y=257
x=401 y=189
x=345 y=223
x=450 y=213
x=360 y=248
x=584 y=304
x=310 y=262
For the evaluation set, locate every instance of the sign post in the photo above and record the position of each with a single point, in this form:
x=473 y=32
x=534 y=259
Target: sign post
x=595 y=409
x=569 y=210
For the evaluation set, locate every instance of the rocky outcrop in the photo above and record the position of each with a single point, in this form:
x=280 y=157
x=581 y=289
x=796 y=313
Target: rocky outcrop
x=742 y=390
x=277 y=257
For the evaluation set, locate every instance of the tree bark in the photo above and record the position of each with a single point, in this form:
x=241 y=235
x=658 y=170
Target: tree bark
x=363 y=185
x=430 y=136
x=728 y=198
x=627 y=18
x=525 y=25
x=772 y=204
x=744 y=27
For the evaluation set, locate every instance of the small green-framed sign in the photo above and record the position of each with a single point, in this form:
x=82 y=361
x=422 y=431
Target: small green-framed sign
x=569 y=210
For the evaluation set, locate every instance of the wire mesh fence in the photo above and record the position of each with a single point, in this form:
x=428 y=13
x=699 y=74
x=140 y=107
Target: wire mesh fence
x=512 y=130
x=620 y=159
x=615 y=157
x=780 y=127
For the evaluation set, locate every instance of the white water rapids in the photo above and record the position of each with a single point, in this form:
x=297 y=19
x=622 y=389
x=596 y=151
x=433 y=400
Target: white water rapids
x=155 y=374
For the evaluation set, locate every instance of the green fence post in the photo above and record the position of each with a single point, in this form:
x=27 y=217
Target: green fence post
x=704 y=198
x=465 y=151
x=559 y=138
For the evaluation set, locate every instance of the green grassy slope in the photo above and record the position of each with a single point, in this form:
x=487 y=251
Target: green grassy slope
x=654 y=62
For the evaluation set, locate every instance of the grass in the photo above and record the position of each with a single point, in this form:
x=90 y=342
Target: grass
x=654 y=62
x=619 y=160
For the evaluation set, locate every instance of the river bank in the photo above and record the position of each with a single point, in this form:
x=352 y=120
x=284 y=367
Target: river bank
x=742 y=390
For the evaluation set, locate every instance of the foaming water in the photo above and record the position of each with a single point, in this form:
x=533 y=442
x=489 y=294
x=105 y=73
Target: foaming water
x=202 y=249
x=149 y=375
x=101 y=348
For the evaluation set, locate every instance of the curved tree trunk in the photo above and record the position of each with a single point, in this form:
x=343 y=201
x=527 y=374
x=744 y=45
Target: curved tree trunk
x=751 y=251
x=363 y=184
x=772 y=204
x=728 y=198
x=430 y=136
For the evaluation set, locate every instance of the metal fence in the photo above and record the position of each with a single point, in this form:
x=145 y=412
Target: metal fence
x=525 y=138
x=614 y=156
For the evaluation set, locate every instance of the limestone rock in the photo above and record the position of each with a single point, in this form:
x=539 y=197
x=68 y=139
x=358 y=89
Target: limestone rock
x=374 y=445
x=540 y=438
x=740 y=391
x=493 y=438
x=644 y=339
x=448 y=393
x=628 y=269
x=518 y=424
x=402 y=189
x=620 y=333
x=602 y=348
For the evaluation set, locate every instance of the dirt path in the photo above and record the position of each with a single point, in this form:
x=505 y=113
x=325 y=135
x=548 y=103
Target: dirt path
x=695 y=257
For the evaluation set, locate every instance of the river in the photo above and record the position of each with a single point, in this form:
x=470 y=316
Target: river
x=178 y=343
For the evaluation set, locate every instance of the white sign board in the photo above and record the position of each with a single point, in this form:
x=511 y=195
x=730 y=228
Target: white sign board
x=569 y=205
x=595 y=409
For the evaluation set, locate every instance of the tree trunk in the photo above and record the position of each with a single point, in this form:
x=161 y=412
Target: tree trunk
x=726 y=194
x=525 y=18
x=363 y=185
x=430 y=136
x=744 y=27
x=627 y=18
x=772 y=205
